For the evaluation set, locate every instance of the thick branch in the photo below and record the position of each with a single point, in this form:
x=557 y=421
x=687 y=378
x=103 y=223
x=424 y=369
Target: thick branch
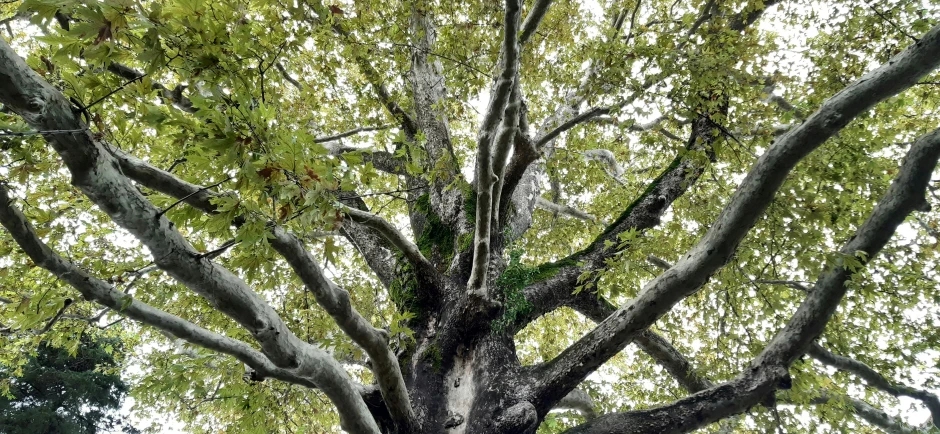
x=644 y=213
x=486 y=178
x=769 y=371
x=876 y=380
x=426 y=272
x=368 y=244
x=745 y=207
x=533 y=19
x=335 y=301
x=676 y=364
x=578 y=400
x=102 y=292
x=96 y=173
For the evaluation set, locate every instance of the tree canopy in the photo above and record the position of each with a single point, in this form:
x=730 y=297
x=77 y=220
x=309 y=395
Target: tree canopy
x=636 y=216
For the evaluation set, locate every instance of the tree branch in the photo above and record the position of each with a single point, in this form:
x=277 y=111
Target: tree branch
x=427 y=275
x=747 y=204
x=287 y=76
x=102 y=292
x=565 y=210
x=533 y=19
x=368 y=244
x=578 y=400
x=352 y=132
x=486 y=178
x=381 y=160
x=598 y=309
x=869 y=413
x=876 y=380
x=769 y=370
x=174 y=96
x=335 y=301
x=644 y=213
x=96 y=173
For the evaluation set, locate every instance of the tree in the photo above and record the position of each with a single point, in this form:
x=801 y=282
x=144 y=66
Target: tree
x=310 y=191
x=58 y=392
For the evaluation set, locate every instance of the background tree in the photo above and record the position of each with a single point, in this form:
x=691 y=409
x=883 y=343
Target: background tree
x=59 y=392
x=458 y=216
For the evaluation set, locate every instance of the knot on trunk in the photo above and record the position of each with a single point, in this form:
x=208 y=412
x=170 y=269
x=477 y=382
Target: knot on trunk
x=519 y=418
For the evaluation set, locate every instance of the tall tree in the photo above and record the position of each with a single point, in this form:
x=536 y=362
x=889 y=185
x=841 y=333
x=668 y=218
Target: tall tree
x=59 y=392
x=318 y=193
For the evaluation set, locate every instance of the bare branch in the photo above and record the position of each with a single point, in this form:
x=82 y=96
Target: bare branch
x=351 y=132
x=747 y=204
x=876 y=380
x=565 y=210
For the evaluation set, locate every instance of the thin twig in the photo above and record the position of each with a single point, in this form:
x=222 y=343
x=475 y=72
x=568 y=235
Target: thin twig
x=120 y=88
x=896 y=27
x=182 y=199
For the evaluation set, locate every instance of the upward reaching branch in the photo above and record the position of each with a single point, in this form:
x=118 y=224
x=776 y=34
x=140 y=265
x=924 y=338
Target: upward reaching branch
x=739 y=215
x=485 y=174
x=769 y=371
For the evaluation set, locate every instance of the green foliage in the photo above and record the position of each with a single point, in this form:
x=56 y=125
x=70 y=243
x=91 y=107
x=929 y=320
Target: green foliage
x=253 y=124
x=514 y=278
x=437 y=238
x=57 y=391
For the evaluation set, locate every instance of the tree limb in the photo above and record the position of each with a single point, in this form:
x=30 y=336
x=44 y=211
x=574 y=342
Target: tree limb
x=381 y=160
x=533 y=19
x=644 y=213
x=565 y=210
x=335 y=301
x=869 y=413
x=96 y=173
x=769 y=370
x=427 y=275
x=876 y=380
x=486 y=178
x=368 y=244
x=352 y=132
x=102 y=292
x=747 y=204
x=598 y=308
x=578 y=400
